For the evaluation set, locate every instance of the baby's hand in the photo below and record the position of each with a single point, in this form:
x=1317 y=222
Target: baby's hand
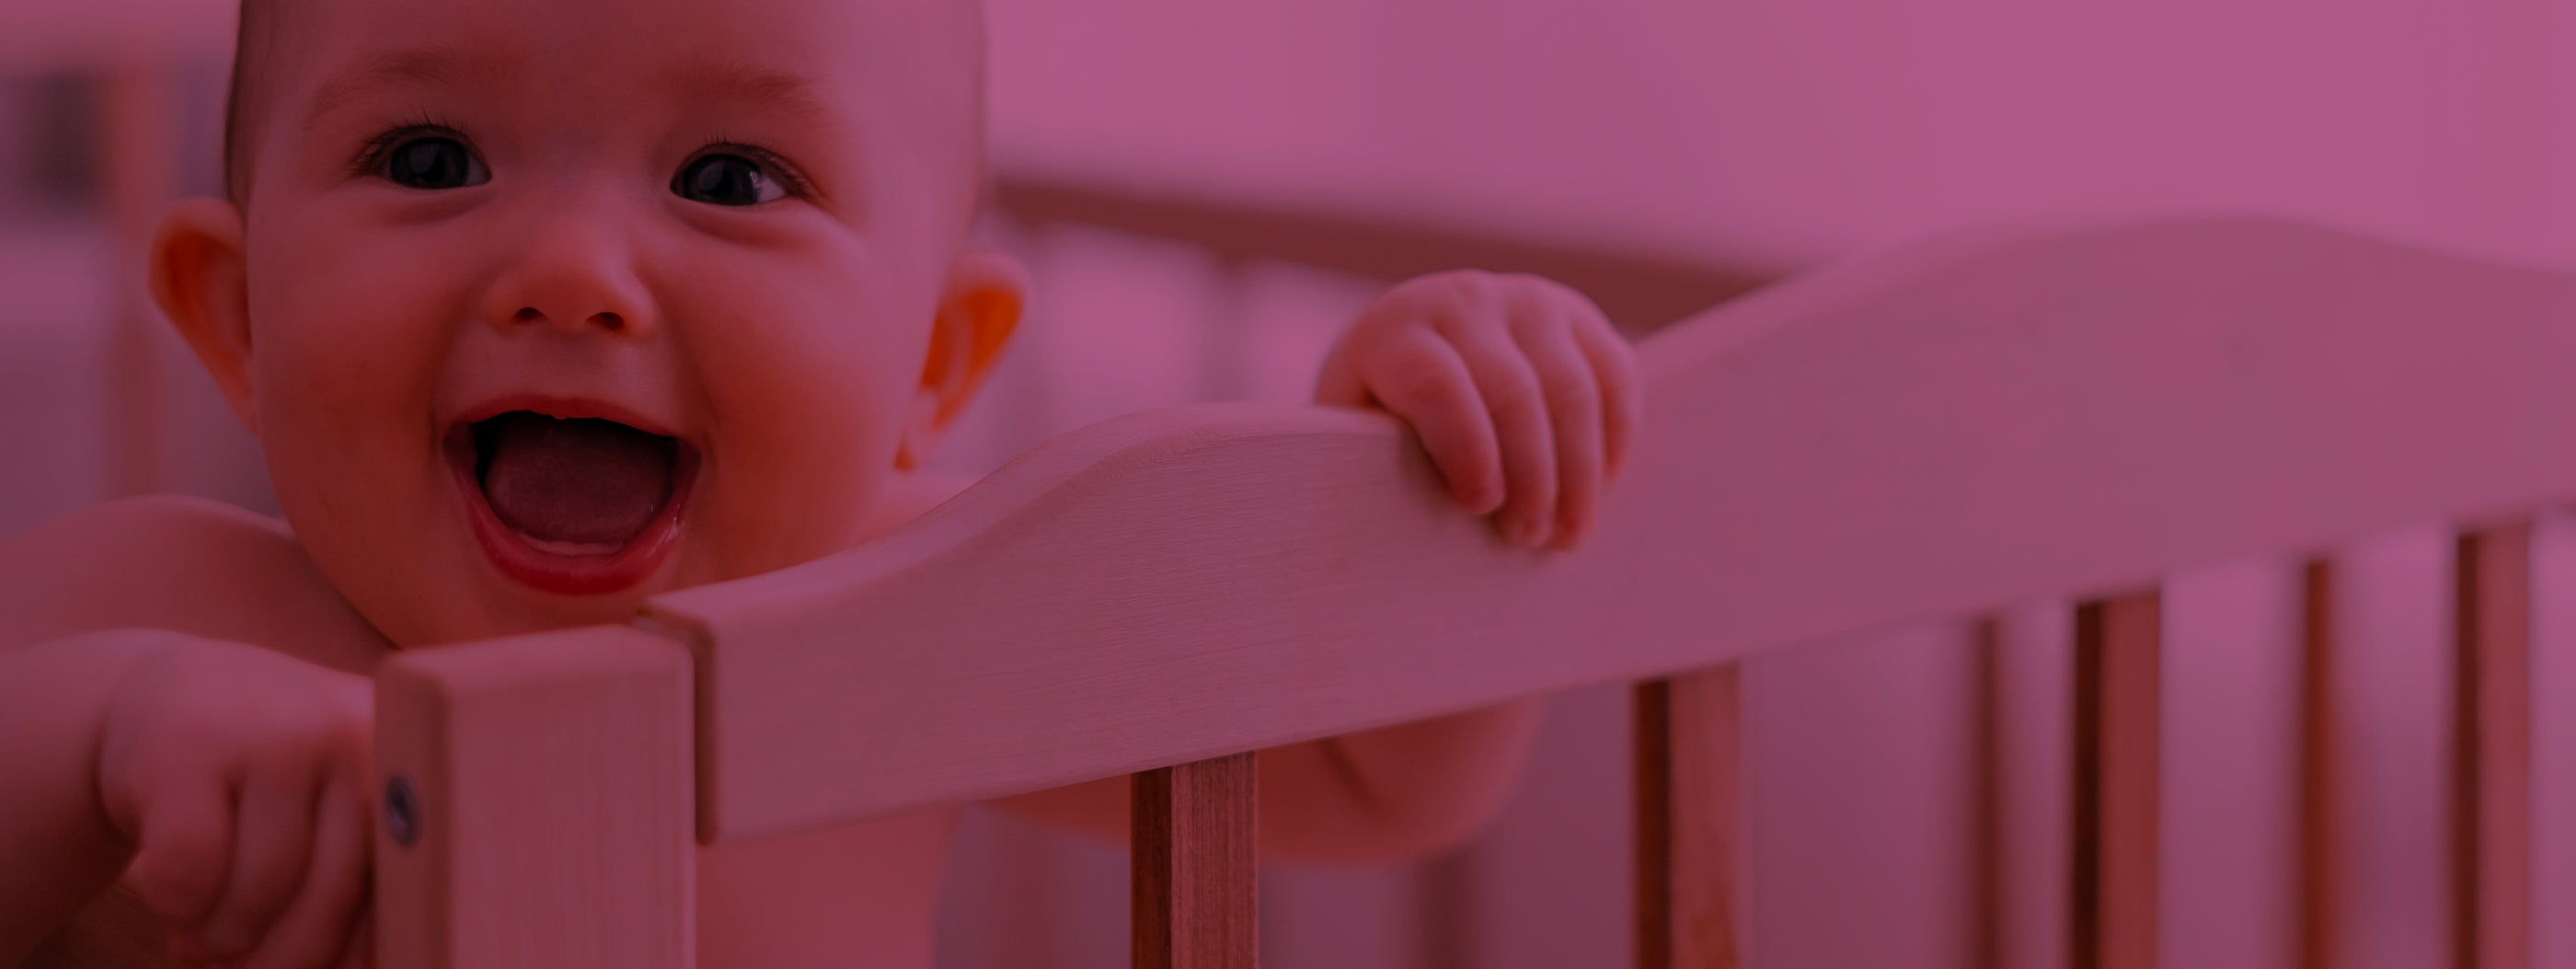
x=240 y=775
x=1518 y=386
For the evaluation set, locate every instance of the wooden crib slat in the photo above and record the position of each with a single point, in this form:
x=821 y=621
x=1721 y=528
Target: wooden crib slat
x=1196 y=900
x=2117 y=687
x=1986 y=861
x=1758 y=513
x=535 y=805
x=2320 y=828
x=1689 y=820
x=2491 y=756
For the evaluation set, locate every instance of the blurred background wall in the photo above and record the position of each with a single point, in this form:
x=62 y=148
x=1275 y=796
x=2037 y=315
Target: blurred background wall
x=1718 y=144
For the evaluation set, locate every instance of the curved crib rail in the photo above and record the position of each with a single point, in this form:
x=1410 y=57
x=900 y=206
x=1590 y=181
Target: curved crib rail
x=1934 y=433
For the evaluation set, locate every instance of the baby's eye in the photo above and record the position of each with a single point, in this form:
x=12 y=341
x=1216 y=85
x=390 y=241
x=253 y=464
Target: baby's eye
x=725 y=180
x=433 y=162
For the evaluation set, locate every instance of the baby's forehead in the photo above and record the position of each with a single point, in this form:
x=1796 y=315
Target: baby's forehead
x=911 y=64
x=831 y=48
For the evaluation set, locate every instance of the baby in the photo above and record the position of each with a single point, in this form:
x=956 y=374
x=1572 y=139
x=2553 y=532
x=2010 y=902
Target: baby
x=541 y=309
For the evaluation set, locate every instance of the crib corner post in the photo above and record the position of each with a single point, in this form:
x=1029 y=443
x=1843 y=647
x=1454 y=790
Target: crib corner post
x=535 y=802
x=1689 y=821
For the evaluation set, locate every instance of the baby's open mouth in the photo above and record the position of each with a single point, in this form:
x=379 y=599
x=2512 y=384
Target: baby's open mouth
x=579 y=505
x=579 y=486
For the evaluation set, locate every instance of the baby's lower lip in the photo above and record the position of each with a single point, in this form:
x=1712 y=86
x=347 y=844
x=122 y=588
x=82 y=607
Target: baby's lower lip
x=587 y=569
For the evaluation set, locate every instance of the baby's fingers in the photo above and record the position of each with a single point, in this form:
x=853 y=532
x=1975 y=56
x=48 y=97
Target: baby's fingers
x=357 y=950
x=318 y=926
x=1623 y=390
x=1517 y=405
x=361 y=953
x=273 y=842
x=1574 y=411
x=1421 y=378
x=183 y=850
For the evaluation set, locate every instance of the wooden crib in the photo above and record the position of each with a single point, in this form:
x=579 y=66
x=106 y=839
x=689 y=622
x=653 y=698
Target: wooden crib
x=1942 y=431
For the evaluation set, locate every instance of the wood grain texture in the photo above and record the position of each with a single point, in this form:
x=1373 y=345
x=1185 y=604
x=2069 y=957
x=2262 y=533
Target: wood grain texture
x=550 y=783
x=2491 y=752
x=1932 y=433
x=1689 y=747
x=2117 y=750
x=1192 y=887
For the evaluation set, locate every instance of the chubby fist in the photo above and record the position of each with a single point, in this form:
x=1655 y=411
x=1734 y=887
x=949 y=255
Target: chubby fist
x=1522 y=392
x=240 y=775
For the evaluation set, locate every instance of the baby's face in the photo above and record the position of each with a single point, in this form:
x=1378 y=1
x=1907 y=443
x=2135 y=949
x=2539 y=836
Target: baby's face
x=553 y=306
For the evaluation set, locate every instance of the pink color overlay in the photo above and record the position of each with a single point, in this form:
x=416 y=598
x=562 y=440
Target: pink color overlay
x=1766 y=138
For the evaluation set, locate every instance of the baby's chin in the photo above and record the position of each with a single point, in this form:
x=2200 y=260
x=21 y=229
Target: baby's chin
x=455 y=594
x=460 y=596
x=468 y=617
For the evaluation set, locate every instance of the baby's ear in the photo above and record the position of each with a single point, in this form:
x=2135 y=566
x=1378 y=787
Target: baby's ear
x=197 y=277
x=981 y=305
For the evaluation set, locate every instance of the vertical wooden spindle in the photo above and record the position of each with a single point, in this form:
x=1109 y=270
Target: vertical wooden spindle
x=536 y=805
x=2491 y=752
x=2320 y=830
x=1445 y=903
x=1689 y=821
x=1194 y=895
x=1986 y=796
x=2117 y=683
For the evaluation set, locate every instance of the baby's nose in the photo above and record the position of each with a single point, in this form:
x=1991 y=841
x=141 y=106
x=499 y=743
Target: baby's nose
x=609 y=320
x=576 y=280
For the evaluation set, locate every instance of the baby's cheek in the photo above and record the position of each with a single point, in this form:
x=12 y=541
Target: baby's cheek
x=803 y=359
x=345 y=344
x=345 y=362
x=344 y=395
x=802 y=446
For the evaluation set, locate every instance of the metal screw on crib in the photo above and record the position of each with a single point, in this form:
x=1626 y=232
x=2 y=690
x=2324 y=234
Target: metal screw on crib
x=402 y=810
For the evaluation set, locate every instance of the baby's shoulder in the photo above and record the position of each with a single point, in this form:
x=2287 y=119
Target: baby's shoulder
x=167 y=562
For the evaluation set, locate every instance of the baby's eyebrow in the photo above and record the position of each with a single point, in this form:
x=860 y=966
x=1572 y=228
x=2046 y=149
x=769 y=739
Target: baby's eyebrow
x=739 y=81
x=425 y=66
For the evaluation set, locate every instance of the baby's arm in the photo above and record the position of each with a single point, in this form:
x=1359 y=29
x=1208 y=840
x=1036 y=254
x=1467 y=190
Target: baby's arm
x=62 y=851
x=181 y=564
x=231 y=776
x=1370 y=798
x=1525 y=398
x=204 y=575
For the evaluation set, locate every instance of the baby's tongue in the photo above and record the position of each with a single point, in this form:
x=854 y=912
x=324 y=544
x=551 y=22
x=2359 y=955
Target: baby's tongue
x=581 y=480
